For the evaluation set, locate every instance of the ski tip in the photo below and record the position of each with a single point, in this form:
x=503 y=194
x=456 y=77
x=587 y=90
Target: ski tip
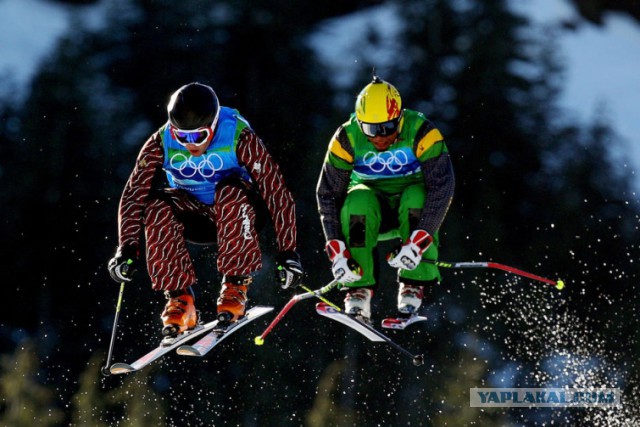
x=121 y=368
x=188 y=350
x=258 y=340
x=560 y=285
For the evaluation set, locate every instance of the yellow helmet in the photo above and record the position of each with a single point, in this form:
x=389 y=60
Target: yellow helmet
x=378 y=102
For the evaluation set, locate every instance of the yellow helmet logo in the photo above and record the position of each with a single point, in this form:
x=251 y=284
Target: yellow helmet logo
x=378 y=102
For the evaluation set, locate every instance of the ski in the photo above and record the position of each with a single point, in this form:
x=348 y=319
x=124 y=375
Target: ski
x=401 y=323
x=164 y=348
x=213 y=338
x=161 y=350
x=368 y=331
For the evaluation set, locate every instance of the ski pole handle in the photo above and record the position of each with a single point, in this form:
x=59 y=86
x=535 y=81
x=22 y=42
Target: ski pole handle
x=559 y=284
x=259 y=340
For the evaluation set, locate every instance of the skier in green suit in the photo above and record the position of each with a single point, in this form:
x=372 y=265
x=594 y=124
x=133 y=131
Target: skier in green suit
x=387 y=174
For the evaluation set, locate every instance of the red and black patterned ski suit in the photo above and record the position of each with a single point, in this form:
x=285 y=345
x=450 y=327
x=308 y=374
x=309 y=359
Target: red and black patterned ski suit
x=162 y=214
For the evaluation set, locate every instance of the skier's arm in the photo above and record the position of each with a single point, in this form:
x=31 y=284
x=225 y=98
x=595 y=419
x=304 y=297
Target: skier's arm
x=266 y=173
x=136 y=191
x=439 y=179
x=333 y=184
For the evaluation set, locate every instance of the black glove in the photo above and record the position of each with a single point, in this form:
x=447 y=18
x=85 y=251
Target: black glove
x=289 y=272
x=124 y=264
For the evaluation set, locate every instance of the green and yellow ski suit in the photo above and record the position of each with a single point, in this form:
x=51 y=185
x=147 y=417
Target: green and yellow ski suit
x=366 y=196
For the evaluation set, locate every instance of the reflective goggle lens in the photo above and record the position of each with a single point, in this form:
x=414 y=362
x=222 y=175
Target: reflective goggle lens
x=197 y=136
x=380 y=129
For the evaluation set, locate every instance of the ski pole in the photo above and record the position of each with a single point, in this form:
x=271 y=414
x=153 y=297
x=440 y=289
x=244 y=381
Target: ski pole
x=417 y=359
x=259 y=340
x=105 y=369
x=323 y=299
x=559 y=284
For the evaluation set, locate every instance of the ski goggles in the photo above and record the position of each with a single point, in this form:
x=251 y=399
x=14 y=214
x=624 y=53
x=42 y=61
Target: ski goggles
x=380 y=129
x=196 y=136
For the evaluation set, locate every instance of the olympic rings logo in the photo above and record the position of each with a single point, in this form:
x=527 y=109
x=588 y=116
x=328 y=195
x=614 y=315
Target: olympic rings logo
x=207 y=167
x=392 y=160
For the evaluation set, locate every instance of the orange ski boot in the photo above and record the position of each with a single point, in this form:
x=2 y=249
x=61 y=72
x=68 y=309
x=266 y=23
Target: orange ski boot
x=233 y=298
x=179 y=314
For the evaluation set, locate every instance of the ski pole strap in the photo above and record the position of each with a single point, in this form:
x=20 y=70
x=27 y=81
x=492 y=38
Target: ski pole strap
x=558 y=284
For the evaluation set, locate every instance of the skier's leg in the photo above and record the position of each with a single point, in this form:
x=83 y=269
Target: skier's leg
x=412 y=284
x=238 y=247
x=360 y=219
x=168 y=261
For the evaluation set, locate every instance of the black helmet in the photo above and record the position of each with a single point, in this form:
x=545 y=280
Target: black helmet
x=193 y=106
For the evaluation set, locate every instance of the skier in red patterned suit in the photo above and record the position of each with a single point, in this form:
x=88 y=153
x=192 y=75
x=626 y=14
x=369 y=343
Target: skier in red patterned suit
x=203 y=177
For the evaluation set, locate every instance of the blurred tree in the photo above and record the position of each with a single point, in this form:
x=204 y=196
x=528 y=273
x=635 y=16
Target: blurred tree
x=595 y=10
x=534 y=190
x=89 y=403
x=91 y=107
x=326 y=408
x=138 y=403
x=25 y=400
x=76 y=2
x=494 y=88
x=454 y=407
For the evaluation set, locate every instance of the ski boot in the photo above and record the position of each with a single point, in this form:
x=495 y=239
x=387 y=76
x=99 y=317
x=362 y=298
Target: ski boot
x=358 y=303
x=233 y=298
x=409 y=298
x=179 y=314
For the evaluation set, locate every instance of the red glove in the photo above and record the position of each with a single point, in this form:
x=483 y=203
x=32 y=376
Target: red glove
x=408 y=256
x=344 y=268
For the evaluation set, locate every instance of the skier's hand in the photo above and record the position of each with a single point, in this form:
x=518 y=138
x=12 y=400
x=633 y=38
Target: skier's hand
x=344 y=268
x=289 y=272
x=408 y=256
x=124 y=264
